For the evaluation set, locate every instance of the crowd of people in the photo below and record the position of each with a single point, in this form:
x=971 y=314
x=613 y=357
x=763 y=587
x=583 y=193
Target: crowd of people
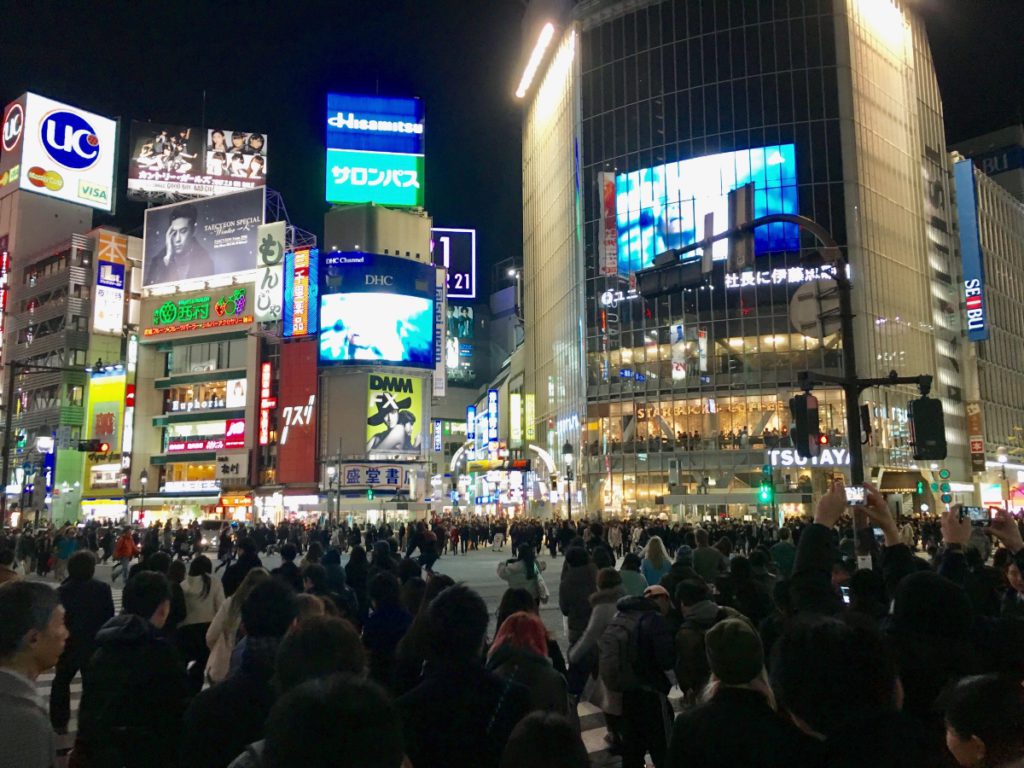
x=835 y=642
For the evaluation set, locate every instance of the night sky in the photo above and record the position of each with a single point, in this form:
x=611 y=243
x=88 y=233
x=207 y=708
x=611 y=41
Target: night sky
x=266 y=67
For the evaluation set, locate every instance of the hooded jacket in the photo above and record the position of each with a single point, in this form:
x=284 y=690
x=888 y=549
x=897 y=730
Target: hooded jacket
x=133 y=695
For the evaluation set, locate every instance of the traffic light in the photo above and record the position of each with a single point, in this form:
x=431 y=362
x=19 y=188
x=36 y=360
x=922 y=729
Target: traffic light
x=920 y=487
x=823 y=440
x=93 y=446
x=369 y=494
x=805 y=433
x=741 y=213
x=766 y=494
x=927 y=429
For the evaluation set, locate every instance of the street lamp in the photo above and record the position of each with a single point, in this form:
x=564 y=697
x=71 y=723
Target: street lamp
x=332 y=474
x=567 y=455
x=143 y=479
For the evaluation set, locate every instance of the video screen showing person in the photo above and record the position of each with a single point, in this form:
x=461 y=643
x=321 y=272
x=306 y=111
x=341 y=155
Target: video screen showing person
x=460 y=322
x=167 y=150
x=236 y=154
x=377 y=327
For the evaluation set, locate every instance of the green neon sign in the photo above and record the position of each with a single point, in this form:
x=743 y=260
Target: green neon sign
x=385 y=178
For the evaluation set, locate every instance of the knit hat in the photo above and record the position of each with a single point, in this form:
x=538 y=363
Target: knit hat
x=684 y=555
x=734 y=651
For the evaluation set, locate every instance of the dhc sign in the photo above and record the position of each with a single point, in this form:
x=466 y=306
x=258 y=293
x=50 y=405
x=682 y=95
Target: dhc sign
x=970 y=251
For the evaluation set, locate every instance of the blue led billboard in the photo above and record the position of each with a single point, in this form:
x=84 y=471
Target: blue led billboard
x=664 y=207
x=374 y=150
x=376 y=309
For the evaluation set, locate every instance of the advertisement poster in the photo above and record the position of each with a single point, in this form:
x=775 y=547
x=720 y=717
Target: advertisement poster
x=176 y=159
x=203 y=238
x=301 y=269
x=377 y=308
x=394 y=422
x=609 y=242
x=976 y=436
x=108 y=304
x=664 y=207
x=103 y=416
x=297 y=413
x=678 y=351
x=58 y=151
x=455 y=250
x=270 y=272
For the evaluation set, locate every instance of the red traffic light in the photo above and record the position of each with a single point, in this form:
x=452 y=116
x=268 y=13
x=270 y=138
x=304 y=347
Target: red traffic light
x=104 y=448
x=822 y=439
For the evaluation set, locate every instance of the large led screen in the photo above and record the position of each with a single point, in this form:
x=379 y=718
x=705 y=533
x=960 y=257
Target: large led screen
x=664 y=207
x=377 y=328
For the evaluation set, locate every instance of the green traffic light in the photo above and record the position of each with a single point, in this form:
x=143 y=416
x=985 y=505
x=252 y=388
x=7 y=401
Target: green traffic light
x=944 y=474
x=935 y=486
x=766 y=494
x=369 y=494
x=920 y=486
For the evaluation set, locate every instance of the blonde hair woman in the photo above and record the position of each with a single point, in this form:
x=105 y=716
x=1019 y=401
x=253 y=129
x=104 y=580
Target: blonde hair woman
x=656 y=562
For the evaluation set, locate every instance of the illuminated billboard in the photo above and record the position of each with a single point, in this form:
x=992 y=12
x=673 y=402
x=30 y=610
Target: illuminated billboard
x=202 y=238
x=455 y=250
x=374 y=150
x=301 y=270
x=108 y=300
x=215 y=308
x=175 y=159
x=394 y=414
x=59 y=151
x=104 y=419
x=377 y=309
x=664 y=207
x=975 y=295
x=459 y=345
x=296 y=419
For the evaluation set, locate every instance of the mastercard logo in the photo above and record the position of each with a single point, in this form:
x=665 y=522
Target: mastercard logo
x=42 y=178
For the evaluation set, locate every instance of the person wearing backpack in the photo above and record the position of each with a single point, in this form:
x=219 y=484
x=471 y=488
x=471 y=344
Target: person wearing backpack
x=700 y=613
x=633 y=654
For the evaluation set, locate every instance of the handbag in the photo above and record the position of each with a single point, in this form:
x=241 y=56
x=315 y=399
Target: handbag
x=542 y=589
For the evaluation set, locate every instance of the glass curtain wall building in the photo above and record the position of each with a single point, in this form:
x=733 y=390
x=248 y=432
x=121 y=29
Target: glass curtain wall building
x=831 y=109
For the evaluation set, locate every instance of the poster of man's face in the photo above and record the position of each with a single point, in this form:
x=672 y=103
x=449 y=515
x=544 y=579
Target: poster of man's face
x=202 y=238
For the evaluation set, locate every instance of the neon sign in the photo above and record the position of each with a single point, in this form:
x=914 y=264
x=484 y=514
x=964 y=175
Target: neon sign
x=267 y=403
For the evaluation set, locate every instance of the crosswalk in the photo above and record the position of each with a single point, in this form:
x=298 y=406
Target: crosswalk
x=592 y=722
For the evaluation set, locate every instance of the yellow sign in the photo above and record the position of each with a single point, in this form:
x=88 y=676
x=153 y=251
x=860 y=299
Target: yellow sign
x=104 y=415
x=394 y=419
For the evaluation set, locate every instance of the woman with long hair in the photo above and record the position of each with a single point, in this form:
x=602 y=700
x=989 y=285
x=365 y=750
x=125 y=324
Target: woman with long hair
x=656 y=562
x=357 y=575
x=524 y=572
x=204 y=595
x=222 y=634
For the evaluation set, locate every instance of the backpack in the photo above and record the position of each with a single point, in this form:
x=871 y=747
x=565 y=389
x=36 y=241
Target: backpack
x=618 y=650
x=692 y=668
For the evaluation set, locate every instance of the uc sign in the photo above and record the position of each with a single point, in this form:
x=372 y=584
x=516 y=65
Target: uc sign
x=69 y=140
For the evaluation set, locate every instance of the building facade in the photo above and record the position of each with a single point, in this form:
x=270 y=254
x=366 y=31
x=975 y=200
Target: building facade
x=641 y=117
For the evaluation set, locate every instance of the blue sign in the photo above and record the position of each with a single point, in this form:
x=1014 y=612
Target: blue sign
x=976 y=305
x=470 y=422
x=69 y=140
x=492 y=414
x=110 y=275
x=375 y=123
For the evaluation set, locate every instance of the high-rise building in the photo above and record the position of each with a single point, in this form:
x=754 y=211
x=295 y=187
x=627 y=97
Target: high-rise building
x=638 y=118
x=991 y=224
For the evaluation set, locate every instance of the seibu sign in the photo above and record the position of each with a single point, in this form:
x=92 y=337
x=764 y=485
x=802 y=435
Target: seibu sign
x=828 y=457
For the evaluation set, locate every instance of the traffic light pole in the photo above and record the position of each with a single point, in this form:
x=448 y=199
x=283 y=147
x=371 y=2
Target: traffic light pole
x=671 y=265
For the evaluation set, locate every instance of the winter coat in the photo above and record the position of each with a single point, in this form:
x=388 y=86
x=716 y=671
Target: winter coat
x=652 y=573
x=125 y=547
x=26 y=736
x=201 y=609
x=738 y=728
x=577 y=585
x=88 y=605
x=602 y=609
x=691 y=662
x=381 y=633
x=710 y=563
x=453 y=702
x=207 y=740
x=521 y=665
x=514 y=572
x=654 y=652
x=221 y=636
x=133 y=695
x=677 y=573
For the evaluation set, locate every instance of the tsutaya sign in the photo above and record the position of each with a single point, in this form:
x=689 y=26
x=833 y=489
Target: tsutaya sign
x=828 y=457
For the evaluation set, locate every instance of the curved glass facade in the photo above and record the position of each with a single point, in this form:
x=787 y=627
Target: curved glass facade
x=679 y=102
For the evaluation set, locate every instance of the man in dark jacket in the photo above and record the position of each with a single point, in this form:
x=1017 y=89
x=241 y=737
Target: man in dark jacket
x=288 y=571
x=235 y=573
x=133 y=689
x=646 y=715
x=457 y=697
x=208 y=740
x=88 y=605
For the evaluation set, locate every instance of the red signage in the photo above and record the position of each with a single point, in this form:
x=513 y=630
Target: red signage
x=297 y=413
x=234 y=434
x=267 y=403
x=186 y=444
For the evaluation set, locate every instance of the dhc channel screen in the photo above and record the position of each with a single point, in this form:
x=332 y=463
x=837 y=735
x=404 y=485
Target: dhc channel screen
x=389 y=328
x=664 y=207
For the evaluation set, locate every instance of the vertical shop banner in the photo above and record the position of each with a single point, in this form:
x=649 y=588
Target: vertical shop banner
x=297 y=413
x=609 y=239
x=301 y=287
x=492 y=414
x=440 y=318
x=530 y=408
x=976 y=436
x=678 y=351
x=975 y=302
x=5 y=266
x=270 y=274
x=470 y=422
x=108 y=301
x=394 y=414
x=702 y=349
x=515 y=420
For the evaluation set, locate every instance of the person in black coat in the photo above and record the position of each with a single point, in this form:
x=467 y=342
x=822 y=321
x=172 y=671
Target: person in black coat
x=738 y=695
x=235 y=573
x=288 y=571
x=223 y=719
x=88 y=605
x=133 y=688
x=457 y=696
